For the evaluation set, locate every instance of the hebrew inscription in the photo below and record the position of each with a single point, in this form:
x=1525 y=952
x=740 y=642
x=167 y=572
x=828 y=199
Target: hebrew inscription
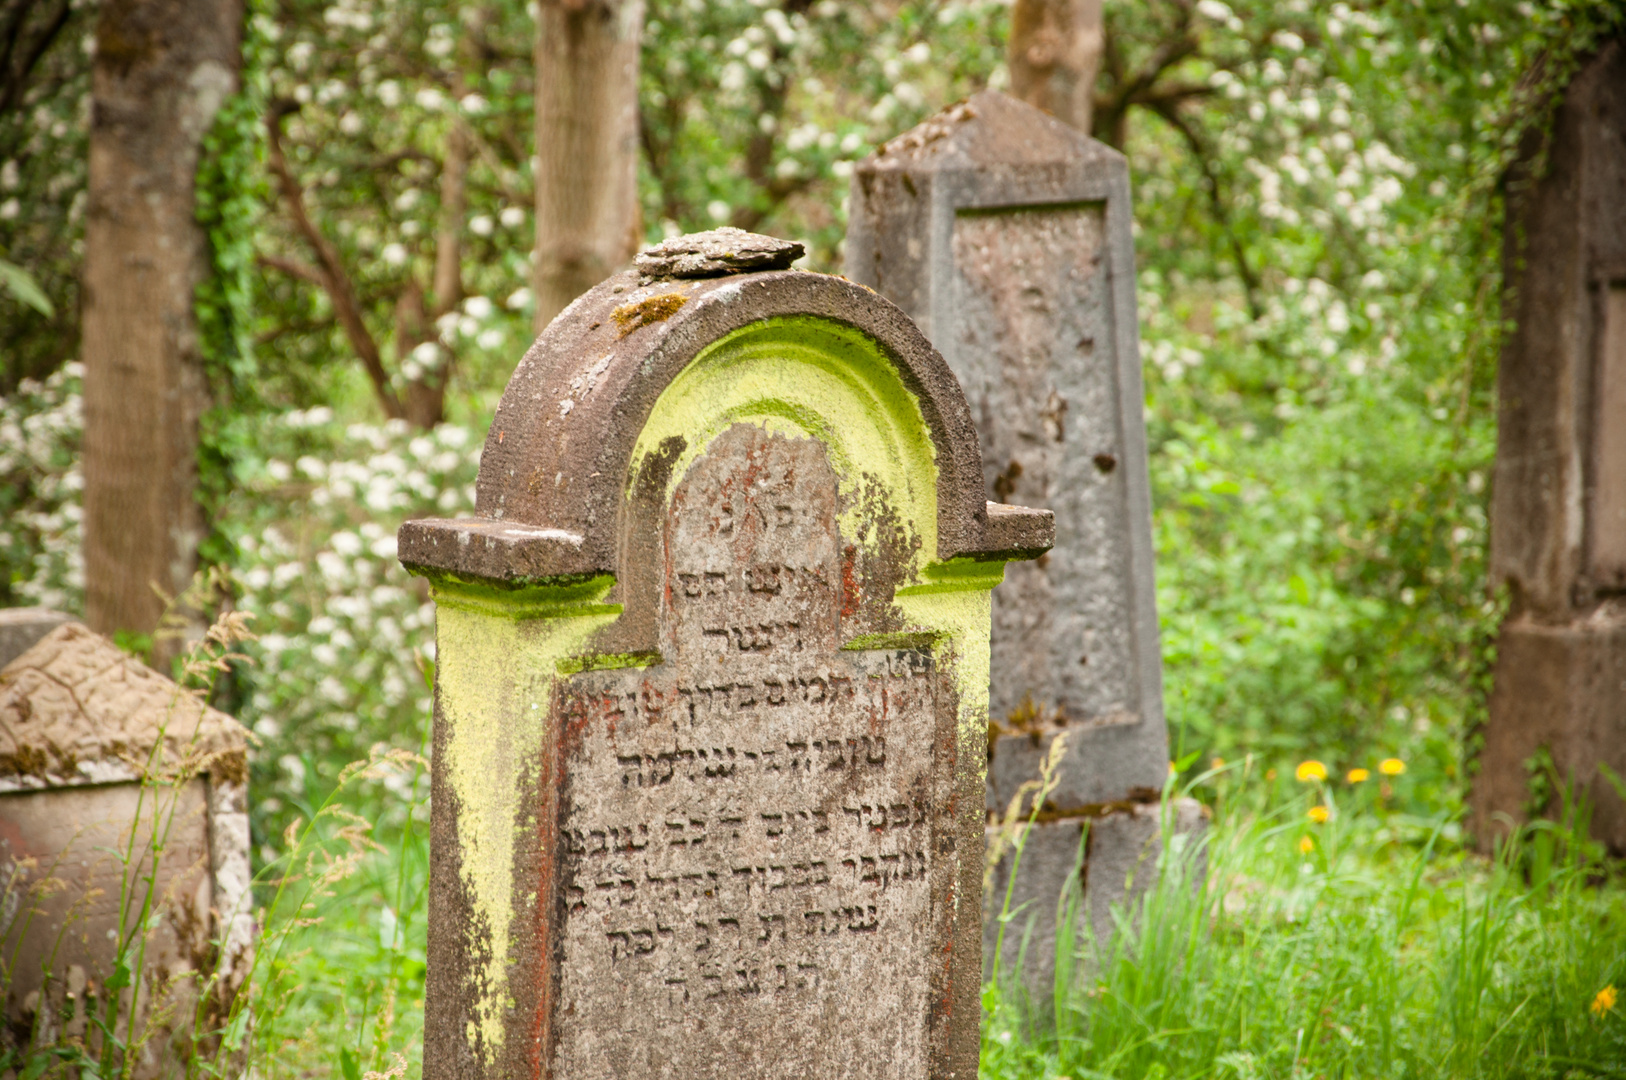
x=752 y=832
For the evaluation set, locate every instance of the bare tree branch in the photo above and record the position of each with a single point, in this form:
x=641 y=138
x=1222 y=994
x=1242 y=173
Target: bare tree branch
x=1170 y=112
x=16 y=78
x=335 y=282
x=293 y=268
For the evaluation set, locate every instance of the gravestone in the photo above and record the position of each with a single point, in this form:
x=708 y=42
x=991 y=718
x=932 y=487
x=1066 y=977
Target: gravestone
x=20 y=628
x=1007 y=236
x=711 y=691
x=1558 y=510
x=81 y=725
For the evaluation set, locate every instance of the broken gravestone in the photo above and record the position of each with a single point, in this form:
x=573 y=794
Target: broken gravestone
x=101 y=760
x=1557 y=711
x=711 y=691
x=1006 y=235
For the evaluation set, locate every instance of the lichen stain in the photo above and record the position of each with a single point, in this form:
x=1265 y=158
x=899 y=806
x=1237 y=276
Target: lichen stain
x=492 y=671
x=652 y=309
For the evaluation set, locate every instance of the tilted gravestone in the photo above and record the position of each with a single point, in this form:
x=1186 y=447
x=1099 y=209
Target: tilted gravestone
x=101 y=759
x=1007 y=236
x=711 y=691
x=1558 y=511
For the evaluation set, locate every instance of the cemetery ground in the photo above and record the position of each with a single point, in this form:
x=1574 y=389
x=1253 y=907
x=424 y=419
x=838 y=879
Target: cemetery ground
x=1367 y=944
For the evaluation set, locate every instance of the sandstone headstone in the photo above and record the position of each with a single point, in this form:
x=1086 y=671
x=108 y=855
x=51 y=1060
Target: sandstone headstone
x=81 y=725
x=1007 y=236
x=1558 y=511
x=711 y=695
x=20 y=628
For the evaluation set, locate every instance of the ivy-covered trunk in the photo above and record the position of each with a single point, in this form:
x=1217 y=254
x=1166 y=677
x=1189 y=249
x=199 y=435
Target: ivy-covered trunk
x=162 y=70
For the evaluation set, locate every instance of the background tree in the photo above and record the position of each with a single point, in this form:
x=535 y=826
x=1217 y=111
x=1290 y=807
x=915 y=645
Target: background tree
x=162 y=70
x=1054 y=53
x=587 y=222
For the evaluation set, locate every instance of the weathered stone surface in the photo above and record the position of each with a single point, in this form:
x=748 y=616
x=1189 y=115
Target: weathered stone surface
x=1558 y=512
x=708 y=776
x=20 y=628
x=76 y=710
x=81 y=724
x=713 y=254
x=1006 y=235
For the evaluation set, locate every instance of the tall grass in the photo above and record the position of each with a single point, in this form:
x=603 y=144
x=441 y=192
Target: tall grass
x=1369 y=945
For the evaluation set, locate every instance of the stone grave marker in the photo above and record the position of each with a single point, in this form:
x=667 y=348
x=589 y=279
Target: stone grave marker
x=80 y=724
x=1558 y=509
x=711 y=691
x=1007 y=236
x=21 y=627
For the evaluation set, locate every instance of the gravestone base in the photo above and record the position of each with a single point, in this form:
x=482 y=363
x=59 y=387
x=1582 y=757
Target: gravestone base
x=1073 y=872
x=1101 y=764
x=1563 y=689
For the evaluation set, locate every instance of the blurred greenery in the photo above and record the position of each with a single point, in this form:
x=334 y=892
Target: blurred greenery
x=1367 y=944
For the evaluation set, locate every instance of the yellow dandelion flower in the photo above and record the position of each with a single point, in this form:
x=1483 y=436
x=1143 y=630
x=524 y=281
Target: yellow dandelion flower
x=1217 y=763
x=1306 y=845
x=1357 y=776
x=1605 y=1001
x=1319 y=814
x=1311 y=770
x=1391 y=766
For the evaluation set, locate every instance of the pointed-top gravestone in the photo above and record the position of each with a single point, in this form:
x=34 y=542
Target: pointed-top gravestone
x=711 y=692
x=1007 y=236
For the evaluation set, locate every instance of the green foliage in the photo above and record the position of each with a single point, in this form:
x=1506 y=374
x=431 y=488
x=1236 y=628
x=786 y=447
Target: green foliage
x=20 y=284
x=231 y=189
x=346 y=640
x=44 y=119
x=1371 y=945
x=40 y=435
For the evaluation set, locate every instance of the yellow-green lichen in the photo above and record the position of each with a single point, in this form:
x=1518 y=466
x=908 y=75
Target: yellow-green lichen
x=808 y=377
x=497 y=659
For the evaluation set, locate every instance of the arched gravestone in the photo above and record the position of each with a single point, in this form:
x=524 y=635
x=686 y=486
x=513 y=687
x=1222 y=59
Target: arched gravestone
x=711 y=691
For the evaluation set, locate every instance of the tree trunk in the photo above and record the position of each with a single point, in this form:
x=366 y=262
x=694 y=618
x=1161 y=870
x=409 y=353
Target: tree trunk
x=1054 y=55
x=587 y=146
x=162 y=70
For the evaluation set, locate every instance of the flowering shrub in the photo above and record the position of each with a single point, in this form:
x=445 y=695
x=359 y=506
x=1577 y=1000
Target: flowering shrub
x=346 y=636
x=40 y=482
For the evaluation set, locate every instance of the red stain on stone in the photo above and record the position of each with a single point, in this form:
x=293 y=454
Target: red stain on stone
x=850 y=591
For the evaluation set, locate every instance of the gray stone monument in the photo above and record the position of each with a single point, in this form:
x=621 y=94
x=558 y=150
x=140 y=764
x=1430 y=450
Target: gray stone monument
x=1558 y=510
x=98 y=754
x=711 y=691
x=1006 y=234
x=21 y=627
